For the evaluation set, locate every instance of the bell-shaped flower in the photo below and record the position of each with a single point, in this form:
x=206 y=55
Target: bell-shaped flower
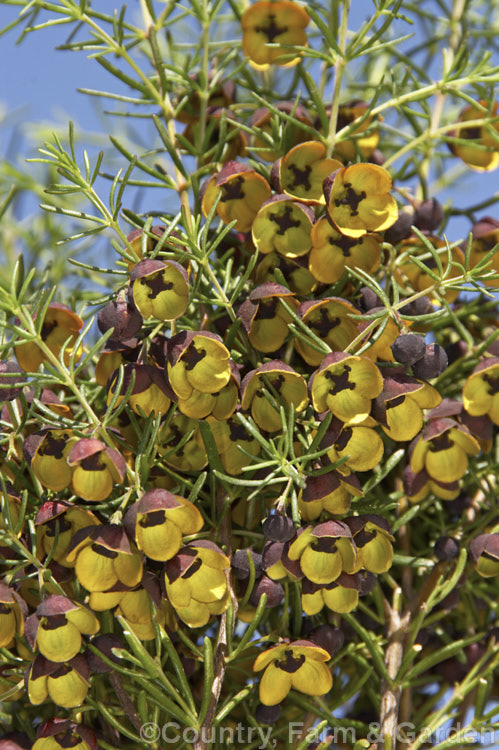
x=481 y=390
x=267 y=23
x=229 y=434
x=159 y=520
x=329 y=319
x=373 y=538
x=360 y=445
x=196 y=584
x=418 y=485
x=346 y=385
x=56 y=523
x=484 y=551
x=151 y=392
x=60 y=327
x=103 y=557
x=485 y=238
x=301 y=172
x=477 y=145
x=404 y=399
x=442 y=450
x=295 y=271
x=325 y=551
x=10 y=518
x=358 y=199
x=144 y=607
x=140 y=243
x=47 y=451
x=65 y=684
x=160 y=289
x=261 y=119
x=279 y=380
x=332 y=252
x=341 y=595
x=13 y=611
x=96 y=468
x=58 y=734
x=283 y=225
x=264 y=317
x=362 y=139
x=57 y=626
x=198 y=361
x=300 y=665
x=240 y=192
x=331 y=492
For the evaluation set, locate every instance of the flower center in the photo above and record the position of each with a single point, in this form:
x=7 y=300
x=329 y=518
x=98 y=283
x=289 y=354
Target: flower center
x=351 y=198
x=271 y=30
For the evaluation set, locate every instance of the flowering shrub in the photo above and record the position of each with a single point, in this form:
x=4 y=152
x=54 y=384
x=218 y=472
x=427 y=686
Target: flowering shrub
x=264 y=491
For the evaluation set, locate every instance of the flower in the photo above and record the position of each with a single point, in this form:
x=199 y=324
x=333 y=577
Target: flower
x=103 y=557
x=299 y=665
x=358 y=199
x=358 y=141
x=373 y=538
x=360 y=445
x=325 y=551
x=56 y=734
x=262 y=120
x=198 y=362
x=241 y=192
x=47 y=451
x=59 y=520
x=277 y=23
x=302 y=171
x=265 y=318
x=442 y=450
x=341 y=595
x=61 y=326
x=411 y=276
x=485 y=237
x=151 y=392
x=229 y=434
x=180 y=444
x=478 y=145
x=346 y=384
x=332 y=252
x=160 y=289
x=419 y=485
x=65 y=684
x=158 y=521
x=285 y=386
x=484 y=551
x=282 y=225
x=404 y=399
x=196 y=584
x=13 y=611
x=96 y=468
x=57 y=627
x=331 y=492
x=328 y=318
x=481 y=390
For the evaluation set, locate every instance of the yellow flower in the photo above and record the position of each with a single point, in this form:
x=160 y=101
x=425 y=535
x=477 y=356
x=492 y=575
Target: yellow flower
x=331 y=492
x=356 y=142
x=484 y=551
x=60 y=326
x=65 y=684
x=48 y=451
x=284 y=384
x=480 y=149
x=481 y=390
x=13 y=610
x=277 y=23
x=160 y=289
x=329 y=319
x=301 y=172
x=373 y=538
x=442 y=450
x=59 y=626
x=300 y=665
x=341 y=595
x=96 y=468
x=241 y=192
x=404 y=399
x=180 y=444
x=325 y=551
x=198 y=362
x=485 y=237
x=229 y=434
x=61 y=520
x=359 y=444
x=283 y=226
x=333 y=251
x=358 y=200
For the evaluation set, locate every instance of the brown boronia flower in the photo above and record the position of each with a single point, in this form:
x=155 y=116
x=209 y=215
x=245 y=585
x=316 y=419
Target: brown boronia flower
x=329 y=318
x=332 y=492
x=278 y=565
x=56 y=734
x=65 y=684
x=13 y=611
x=219 y=405
x=143 y=242
x=481 y=390
x=358 y=199
x=301 y=172
x=57 y=627
x=196 y=584
x=283 y=225
x=404 y=399
x=275 y=23
x=158 y=521
x=229 y=434
x=115 y=354
x=61 y=326
x=11 y=515
x=46 y=451
x=160 y=288
x=180 y=444
x=292 y=133
x=241 y=192
x=104 y=556
x=442 y=450
x=58 y=519
x=295 y=271
x=325 y=551
x=96 y=467
x=151 y=392
x=485 y=237
x=341 y=595
x=484 y=551
x=380 y=338
x=419 y=485
x=264 y=317
x=373 y=539
x=284 y=384
x=480 y=149
x=332 y=252
x=358 y=445
x=122 y=316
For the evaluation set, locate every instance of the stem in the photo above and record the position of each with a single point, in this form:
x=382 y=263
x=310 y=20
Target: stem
x=338 y=75
x=390 y=694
